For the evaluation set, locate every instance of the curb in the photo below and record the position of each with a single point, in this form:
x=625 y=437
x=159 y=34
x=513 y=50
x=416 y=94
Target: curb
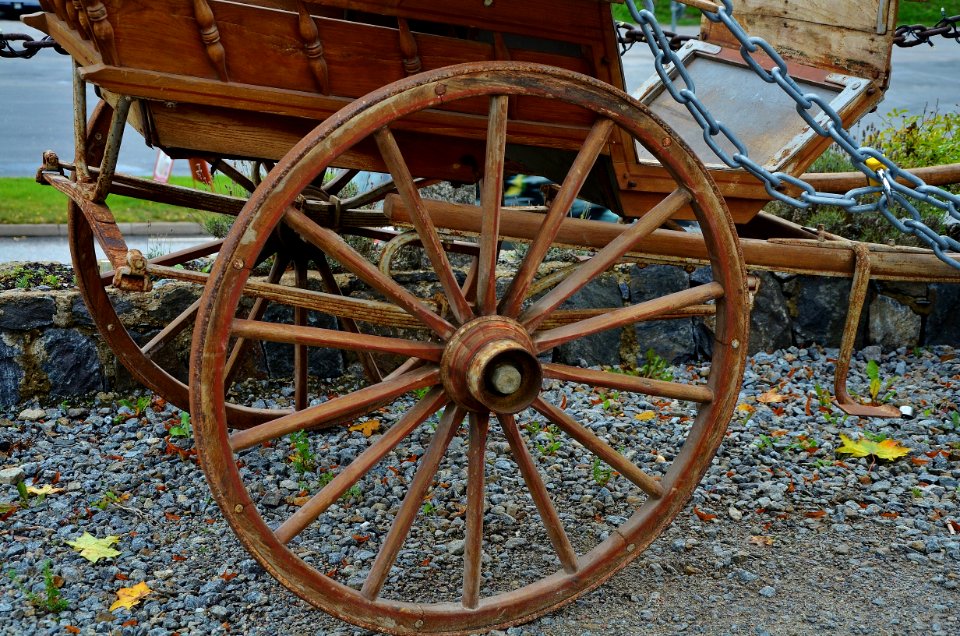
x=127 y=229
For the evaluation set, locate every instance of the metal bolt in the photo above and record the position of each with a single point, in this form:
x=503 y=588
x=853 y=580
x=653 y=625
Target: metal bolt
x=238 y=264
x=735 y=344
x=631 y=547
x=506 y=378
x=666 y=142
x=488 y=3
x=440 y=90
x=111 y=327
x=238 y=508
x=419 y=623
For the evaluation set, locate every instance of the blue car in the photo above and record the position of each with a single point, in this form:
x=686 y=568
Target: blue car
x=15 y=8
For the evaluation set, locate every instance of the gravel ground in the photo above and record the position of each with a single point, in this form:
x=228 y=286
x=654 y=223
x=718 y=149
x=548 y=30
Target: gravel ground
x=783 y=536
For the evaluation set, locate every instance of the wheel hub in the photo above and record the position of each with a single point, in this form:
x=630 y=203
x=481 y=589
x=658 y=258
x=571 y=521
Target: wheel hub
x=490 y=364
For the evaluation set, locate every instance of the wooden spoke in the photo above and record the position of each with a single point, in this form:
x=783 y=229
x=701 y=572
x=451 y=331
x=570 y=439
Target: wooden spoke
x=330 y=493
x=600 y=448
x=645 y=310
x=339 y=409
x=473 y=546
x=334 y=186
x=622 y=382
x=491 y=197
x=605 y=258
x=321 y=337
x=370 y=368
x=407 y=189
x=238 y=352
x=233 y=174
x=372 y=311
x=470 y=284
x=172 y=330
x=331 y=243
x=300 y=353
x=559 y=209
x=429 y=463
x=379 y=193
x=538 y=491
x=409 y=365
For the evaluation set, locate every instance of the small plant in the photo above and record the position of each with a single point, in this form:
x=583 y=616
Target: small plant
x=302 y=457
x=353 y=493
x=325 y=478
x=533 y=428
x=23 y=282
x=421 y=393
x=876 y=385
x=601 y=472
x=183 y=429
x=955 y=419
x=429 y=509
x=50 y=599
x=553 y=442
x=108 y=498
x=655 y=367
x=763 y=441
x=138 y=407
x=23 y=493
x=916 y=492
x=52 y=280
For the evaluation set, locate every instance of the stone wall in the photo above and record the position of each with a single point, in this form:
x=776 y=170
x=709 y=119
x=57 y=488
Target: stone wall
x=50 y=348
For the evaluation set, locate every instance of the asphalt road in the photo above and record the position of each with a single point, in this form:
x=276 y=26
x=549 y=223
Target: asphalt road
x=36 y=110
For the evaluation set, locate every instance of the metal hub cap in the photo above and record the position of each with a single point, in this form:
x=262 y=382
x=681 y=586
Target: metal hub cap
x=490 y=364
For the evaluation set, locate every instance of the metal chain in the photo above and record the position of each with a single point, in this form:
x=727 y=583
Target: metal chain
x=814 y=110
x=29 y=46
x=915 y=34
x=627 y=36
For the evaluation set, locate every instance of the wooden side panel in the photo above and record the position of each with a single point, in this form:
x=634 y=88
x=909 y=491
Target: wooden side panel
x=839 y=36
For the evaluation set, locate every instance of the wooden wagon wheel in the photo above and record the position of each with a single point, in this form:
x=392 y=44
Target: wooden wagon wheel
x=482 y=358
x=144 y=359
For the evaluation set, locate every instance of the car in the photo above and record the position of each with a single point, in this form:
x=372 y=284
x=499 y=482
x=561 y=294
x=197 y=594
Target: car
x=11 y=9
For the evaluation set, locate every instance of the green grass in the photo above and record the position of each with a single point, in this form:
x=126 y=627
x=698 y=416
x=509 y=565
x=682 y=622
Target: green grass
x=23 y=200
x=911 y=12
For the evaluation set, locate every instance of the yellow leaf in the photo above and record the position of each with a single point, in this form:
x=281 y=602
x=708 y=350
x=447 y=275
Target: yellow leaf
x=887 y=449
x=127 y=597
x=746 y=408
x=771 y=397
x=759 y=539
x=46 y=489
x=645 y=416
x=93 y=549
x=368 y=428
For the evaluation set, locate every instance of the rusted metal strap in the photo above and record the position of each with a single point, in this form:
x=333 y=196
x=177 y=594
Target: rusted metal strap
x=858 y=295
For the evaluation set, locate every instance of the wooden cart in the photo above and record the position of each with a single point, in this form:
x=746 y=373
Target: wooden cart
x=468 y=92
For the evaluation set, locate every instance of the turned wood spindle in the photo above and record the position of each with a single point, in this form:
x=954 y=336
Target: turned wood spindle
x=313 y=48
x=408 y=48
x=102 y=31
x=210 y=35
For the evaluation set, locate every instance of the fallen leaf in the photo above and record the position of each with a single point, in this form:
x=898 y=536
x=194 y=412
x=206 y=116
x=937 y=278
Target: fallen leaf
x=299 y=501
x=127 y=597
x=120 y=576
x=43 y=490
x=93 y=549
x=745 y=408
x=171 y=516
x=815 y=514
x=563 y=402
x=177 y=557
x=704 y=516
x=889 y=515
x=368 y=428
x=771 y=397
x=361 y=538
x=71 y=629
x=759 y=539
x=887 y=449
x=228 y=576
x=645 y=416
x=130 y=623
x=7 y=510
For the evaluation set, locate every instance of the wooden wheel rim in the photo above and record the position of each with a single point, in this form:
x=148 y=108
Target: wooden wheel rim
x=266 y=208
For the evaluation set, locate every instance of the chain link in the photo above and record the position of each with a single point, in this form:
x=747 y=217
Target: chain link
x=28 y=47
x=822 y=118
x=916 y=34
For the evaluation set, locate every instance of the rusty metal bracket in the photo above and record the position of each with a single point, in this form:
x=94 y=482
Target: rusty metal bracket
x=858 y=295
x=133 y=276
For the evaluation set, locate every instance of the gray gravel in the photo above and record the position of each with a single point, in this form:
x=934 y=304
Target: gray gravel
x=783 y=536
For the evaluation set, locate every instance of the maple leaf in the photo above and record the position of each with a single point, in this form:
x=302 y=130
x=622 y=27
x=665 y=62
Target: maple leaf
x=745 y=408
x=887 y=449
x=368 y=428
x=93 y=549
x=127 y=597
x=645 y=416
x=46 y=489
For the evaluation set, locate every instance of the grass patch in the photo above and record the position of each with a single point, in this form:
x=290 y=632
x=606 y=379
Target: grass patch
x=23 y=200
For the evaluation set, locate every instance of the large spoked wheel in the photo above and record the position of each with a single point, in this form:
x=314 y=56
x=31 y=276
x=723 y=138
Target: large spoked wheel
x=479 y=358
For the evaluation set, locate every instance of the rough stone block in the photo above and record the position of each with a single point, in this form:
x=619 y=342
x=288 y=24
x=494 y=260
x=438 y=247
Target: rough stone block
x=673 y=340
x=20 y=312
x=71 y=363
x=820 y=306
x=322 y=362
x=770 y=324
x=11 y=374
x=600 y=348
x=892 y=324
x=943 y=325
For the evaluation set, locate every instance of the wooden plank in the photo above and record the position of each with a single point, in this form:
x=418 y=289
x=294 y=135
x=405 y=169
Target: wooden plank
x=839 y=36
